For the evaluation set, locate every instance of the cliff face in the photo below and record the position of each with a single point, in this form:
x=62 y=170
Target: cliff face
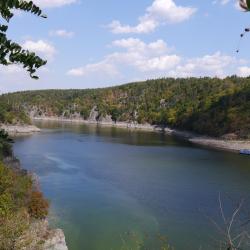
x=94 y=116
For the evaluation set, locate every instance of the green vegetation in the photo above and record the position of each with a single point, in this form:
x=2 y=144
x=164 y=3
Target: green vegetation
x=5 y=145
x=20 y=200
x=9 y=114
x=11 y=52
x=208 y=106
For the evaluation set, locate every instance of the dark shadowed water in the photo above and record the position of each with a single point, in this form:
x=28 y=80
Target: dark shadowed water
x=110 y=187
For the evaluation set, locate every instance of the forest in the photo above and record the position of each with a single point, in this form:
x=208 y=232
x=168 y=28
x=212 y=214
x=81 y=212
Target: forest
x=208 y=106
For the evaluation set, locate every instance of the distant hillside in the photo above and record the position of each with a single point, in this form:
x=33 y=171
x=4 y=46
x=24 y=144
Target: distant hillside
x=208 y=106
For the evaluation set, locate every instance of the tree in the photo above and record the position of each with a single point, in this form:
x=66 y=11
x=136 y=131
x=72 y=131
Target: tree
x=11 y=52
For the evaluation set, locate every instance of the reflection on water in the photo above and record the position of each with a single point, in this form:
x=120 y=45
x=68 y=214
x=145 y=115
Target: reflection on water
x=105 y=183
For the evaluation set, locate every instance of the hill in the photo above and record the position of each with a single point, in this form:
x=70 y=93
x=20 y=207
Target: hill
x=208 y=106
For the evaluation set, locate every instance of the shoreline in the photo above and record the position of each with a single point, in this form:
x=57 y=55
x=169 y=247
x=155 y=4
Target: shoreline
x=16 y=130
x=38 y=230
x=227 y=145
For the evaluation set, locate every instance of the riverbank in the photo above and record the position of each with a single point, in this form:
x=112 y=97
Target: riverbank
x=15 y=130
x=23 y=215
x=228 y=145
x=30 y=231
x=217 y=143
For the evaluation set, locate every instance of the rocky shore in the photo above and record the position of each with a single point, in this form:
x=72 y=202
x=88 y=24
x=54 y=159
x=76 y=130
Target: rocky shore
x=229 y=145
x=14 y=130
x=38 y=235
x=223 y=144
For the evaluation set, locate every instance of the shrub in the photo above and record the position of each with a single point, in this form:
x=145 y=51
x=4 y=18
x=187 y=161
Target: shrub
x=12 y=227
x=38 y=206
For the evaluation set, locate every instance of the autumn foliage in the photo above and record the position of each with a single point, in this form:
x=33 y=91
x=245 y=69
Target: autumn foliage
x=38 y=206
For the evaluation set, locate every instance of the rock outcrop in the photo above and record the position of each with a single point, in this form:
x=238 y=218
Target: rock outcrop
x=19 y=129
x=55 y=240
x=40 y=237
x=105 y=119
x=94 y=114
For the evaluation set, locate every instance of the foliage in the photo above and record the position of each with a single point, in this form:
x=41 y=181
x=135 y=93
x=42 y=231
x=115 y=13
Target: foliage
x=38 y=206
x=208 y=106
x=5 y=145
x=12 y=227
x=10 y=114
x=20 y=203
x=20 y=200
x=11 y=52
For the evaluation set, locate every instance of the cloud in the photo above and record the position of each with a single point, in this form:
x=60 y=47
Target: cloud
x=136 y=45
x=160 y=63
x=216 y=64
x=235 y=3
x=222 y=2
x=137 y=55
x=62 y=33
x=100 y=68
x=40 y=47
x=53 y=3
x=244 y=71
x=156 y=59
x=159 y=13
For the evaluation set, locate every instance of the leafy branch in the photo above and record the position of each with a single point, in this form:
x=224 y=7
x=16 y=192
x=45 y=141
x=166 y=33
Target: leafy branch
x=11 y=52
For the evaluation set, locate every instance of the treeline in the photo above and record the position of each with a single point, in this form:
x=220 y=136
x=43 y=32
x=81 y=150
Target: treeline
x=208 y=106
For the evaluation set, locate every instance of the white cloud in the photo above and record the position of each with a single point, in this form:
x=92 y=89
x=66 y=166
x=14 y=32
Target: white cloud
x=136 y=45
x=155 y=59
x=145 y=26
x=40 y=47
x=62 y=33
x=137 y=55
x=161 y=63
x=160 y=12
x=53 y=3
x=222 y=2
x=208 y=65
x=100 y=68
x=235 y=3
x=244 y=71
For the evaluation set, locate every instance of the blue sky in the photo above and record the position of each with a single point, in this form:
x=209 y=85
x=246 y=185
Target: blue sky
x=93 y=43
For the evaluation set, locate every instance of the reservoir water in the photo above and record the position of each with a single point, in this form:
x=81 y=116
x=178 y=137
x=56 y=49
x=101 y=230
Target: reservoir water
x=112 y=189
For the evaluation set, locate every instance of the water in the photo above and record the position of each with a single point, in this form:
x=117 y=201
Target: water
x=110 y=188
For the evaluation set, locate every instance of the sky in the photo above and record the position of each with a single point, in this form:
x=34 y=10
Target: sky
x=99 y=43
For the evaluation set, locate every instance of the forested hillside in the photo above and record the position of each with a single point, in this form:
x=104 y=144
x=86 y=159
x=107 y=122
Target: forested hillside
x=208 y=106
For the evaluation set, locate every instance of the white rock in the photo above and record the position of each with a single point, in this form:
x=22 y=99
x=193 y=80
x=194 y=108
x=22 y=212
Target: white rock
x=55 y=241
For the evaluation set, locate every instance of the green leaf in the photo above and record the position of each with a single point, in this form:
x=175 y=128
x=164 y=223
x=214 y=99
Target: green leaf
x=11 y=52
x=248 y=4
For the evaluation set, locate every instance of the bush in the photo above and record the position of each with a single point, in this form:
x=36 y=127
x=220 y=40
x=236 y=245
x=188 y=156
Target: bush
x=12 y=227
x=38 y=206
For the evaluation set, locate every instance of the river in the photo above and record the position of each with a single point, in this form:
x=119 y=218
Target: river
x=111 y=189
